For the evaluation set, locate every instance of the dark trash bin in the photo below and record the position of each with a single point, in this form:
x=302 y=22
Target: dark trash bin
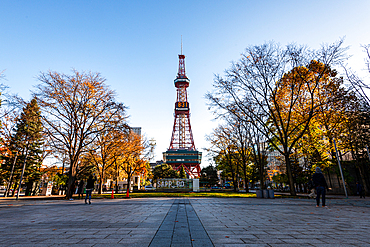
x=259 y=193
x=271 y=194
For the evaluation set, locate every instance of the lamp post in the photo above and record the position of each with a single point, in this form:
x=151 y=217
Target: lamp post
x=11 y=175
x=340 y=168
x=24 y=166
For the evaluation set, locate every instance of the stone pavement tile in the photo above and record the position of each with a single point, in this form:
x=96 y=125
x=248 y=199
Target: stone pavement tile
x=122 y=245
x=30 y=245
x=199 y=235
x=99 y=241
x=281 y=236
x=160 y=243
x=227 y=241
x=113 y=231
x=183 y=242
x=11 y=243
x=61 y=241
x=144 y=242
x=242 y=245
x=162 y=234
x=136 y=236
x=143 y=230
x=261 y=232
x=337 y=245
x=230 y=235
x=89 y=236
x=75 y=245
x=318 y=236
x=303 y=241
x=202 y=243
x=116 y=236
x=346 y=240
x=253 y=240
x=178 y=244
x=291 y=245
x=272 y=241
x=198 y=228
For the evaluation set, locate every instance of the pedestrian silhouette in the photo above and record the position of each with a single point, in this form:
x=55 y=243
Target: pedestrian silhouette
x=89 y=188
x=320 y=185
x=360 y=190
x=80 y=190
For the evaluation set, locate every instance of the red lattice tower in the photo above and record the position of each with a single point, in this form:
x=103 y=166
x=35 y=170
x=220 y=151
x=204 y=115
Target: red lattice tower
x=182 y=150
x=182 y=136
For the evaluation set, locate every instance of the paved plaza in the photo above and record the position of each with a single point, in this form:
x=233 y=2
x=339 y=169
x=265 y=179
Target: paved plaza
x=185 y=222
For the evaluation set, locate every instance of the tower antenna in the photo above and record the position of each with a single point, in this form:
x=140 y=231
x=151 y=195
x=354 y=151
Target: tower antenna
x=181 y=44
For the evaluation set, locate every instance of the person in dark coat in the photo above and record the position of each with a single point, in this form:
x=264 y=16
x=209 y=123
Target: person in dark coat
x=360 y=190
x=320 y=185
x=89 y=188
x=73 y=190
x=80 y=190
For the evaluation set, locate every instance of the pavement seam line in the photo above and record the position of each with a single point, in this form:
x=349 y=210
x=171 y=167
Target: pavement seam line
x=200 y=222
x=161 y=224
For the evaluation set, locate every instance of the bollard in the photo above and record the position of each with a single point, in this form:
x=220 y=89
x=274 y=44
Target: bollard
x=112 y=196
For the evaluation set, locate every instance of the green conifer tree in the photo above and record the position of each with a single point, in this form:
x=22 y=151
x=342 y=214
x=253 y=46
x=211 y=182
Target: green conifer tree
x=26 y=143
x=182 y=172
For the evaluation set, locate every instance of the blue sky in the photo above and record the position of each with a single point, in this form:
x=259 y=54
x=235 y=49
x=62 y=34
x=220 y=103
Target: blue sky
x=135 y=46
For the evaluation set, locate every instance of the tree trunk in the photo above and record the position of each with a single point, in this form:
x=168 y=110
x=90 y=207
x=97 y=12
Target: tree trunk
x=35 y=190
x=290 y=175
x=128 y=185
x=116 y=185
x=364 y=184
x=232 y=171
x=261 y=165
x=29 y=188
x=237 y=176
x=101 y=180
x=71 y=180
x=245 y=179
x=11 y=176
x=15 y=187
x=261 y=174
x=9 y=186
x=328 y=173
x=117 y=175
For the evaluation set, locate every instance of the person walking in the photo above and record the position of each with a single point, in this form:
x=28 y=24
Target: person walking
x=73 y=190
x=89 y=188
x=311 y=188
x=360 y=190
x=80 y=190
x=320 y=185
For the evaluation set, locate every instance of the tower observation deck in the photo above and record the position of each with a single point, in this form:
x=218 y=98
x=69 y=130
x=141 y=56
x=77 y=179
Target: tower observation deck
x=182 y=150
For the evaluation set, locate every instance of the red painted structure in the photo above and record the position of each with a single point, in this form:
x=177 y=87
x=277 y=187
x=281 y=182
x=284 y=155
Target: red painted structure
x=182 y=150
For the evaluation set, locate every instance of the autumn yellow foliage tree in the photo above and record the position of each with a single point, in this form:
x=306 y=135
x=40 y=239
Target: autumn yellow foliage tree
x=107 y=147
x=133 y=159
x=274 y=89
x=75 y=109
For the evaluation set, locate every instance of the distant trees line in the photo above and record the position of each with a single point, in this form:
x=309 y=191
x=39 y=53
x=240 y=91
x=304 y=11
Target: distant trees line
x=290 y=100
x=76 y=119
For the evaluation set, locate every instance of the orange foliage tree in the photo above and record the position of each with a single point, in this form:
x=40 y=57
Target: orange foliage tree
x=274 y=89
x=134 y=155
x=75 y=109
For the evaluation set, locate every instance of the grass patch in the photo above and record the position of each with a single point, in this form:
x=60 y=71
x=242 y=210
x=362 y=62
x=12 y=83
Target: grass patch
x=179 y=194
